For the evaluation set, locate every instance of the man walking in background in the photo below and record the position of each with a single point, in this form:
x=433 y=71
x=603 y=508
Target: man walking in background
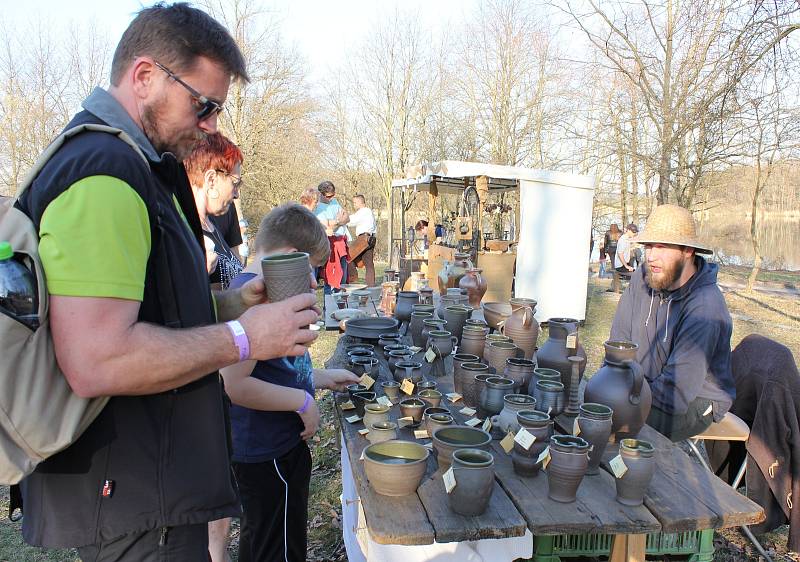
x=362 y=249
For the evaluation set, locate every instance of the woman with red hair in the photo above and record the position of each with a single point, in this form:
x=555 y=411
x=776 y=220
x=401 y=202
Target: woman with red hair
x=215 y=172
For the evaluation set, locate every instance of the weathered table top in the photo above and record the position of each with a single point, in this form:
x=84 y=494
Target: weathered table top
x=682 y=497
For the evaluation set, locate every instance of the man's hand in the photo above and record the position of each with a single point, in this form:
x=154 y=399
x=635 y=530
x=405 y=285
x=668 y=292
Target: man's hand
x=281 y=329
x=334 y=379
x=342 y=217
x=310 y=420
x=253 y=292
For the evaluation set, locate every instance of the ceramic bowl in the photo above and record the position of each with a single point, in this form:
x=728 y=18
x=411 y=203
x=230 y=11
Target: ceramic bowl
x=395 y=468
x=412 y=407
x=391 y=389
x=448 y=439
x=432 y=397
x=496 y=312
x=382 y=431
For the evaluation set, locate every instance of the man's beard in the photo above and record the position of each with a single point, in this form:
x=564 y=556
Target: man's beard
x=165 y=141
x=669 y=274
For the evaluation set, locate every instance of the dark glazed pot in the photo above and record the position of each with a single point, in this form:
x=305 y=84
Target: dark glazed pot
x=638 y=456
x=459 y=374
x=416 y=325
x=492 y=398
x=405 y=299
x=360 y=399
x=391 y=338
x=429 y=325
x=474 y=473
x=443 y=342
x=456 y=317
x=399 y=355
x=550 y=397
x=448 y=439
x=520 y=371
x=496 y=353
x=542 y=374
x=620 y=385
x=553 y=354
x=506 y=420
x=412 y=407
x=411 y=370
x=569 y=459
x=387 y=349
x=473 y=340
x=353 y=388
x=470 y=387
x=540 y=426
x=594 y=421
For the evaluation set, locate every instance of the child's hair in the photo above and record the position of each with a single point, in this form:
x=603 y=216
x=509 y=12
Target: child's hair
x=295 y=226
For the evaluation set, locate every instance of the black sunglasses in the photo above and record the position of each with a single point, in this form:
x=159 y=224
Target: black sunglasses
x=207 y=107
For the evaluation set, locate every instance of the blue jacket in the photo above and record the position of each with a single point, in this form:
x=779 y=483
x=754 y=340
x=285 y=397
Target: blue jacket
x=684 y=339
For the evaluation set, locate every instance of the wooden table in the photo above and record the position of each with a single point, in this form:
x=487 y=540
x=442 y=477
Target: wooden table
x=682 y=496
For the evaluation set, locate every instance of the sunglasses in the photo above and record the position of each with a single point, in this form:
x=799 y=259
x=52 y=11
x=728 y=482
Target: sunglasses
x=207 y=109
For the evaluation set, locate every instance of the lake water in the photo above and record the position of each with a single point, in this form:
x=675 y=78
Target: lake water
x=779 y=238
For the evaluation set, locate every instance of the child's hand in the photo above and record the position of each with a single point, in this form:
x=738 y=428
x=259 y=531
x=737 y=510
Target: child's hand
x=335 y=379
x=310 y=420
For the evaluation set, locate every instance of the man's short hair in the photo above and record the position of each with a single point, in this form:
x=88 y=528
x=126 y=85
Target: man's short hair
x=326 y=187
x=309 y=197
x=176 y=35
x=633 y=228
x=361 y=198
x=292 y=225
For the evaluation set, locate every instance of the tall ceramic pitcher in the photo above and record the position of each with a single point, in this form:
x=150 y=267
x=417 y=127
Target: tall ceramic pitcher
x=521 y=326
x=554 y=353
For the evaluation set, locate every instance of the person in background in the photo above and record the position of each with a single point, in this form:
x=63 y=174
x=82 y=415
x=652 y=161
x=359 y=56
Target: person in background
x=233 y=230
x=215 y=172
x=602 y=258
x=309 y=199
x=274 y=412
x=362 y=249
x=622 y=257
x=610 y=239
x=331 y=214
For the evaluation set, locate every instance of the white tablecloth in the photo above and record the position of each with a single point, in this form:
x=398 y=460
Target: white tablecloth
x=360 y=546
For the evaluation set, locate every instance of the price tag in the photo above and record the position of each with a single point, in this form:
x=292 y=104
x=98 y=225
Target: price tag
x=414 y=349
x=347 y=406
x=618 y=466
x=453 y=396
x=430 y=355
x=467 y=411
x=449 y=478
x=544 y=457
x=428 y=445
x=472 y=422
x=353 y=419
x=572 y=341
x=708 y=410
x=367 y=381
x=407 y=387
x=363 y=453
x=421 y=434
x=402 y=422
x=576 y=428
x=524 y=438
x=507 y=443
x=487 y=425
x=384 y=400
x=363 y=432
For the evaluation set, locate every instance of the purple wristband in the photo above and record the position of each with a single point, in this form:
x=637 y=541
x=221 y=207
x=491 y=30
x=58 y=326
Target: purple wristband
x=240 y=339
x=306 y=404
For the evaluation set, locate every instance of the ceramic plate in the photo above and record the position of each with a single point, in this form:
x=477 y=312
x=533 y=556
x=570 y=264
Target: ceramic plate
x=370 y=328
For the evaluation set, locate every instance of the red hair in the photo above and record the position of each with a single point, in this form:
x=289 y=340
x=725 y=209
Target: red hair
x=215 y=152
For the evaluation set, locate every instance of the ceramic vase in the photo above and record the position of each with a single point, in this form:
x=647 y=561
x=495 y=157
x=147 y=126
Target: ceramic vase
x=451 y=298
x=374 y=413
x=411 y=370
x=470 y=389
x=594 y=423
x=405 y=299
x=521 y=326
x=520 y=371
x=399 y=355
x=452 y=272
x=431 y=397
x=430 y=324
x=413 y=408
x=492 y=396
x=442 y=341
x=360 y=399
x=416 y=326
x=473 y=340
x=540 y=373
x=382 y=431
x=506 y=420
x=554 y=353
x=456 y=316
x=540 y=426
x=391 y=389
x=550 y=397
x=458 y=373
x=639 y=457
x=448 y=439
x=435 y=421
x=474 y=284
x=496 y=353
x=569 y=459
x=474 y=474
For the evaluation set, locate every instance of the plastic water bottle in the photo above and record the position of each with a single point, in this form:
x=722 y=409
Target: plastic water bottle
x=18 y=292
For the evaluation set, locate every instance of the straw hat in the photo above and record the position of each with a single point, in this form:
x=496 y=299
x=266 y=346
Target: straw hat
x=671 y=224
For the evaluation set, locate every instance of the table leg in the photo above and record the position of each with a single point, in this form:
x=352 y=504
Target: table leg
x=628 y=548
x=543 y=549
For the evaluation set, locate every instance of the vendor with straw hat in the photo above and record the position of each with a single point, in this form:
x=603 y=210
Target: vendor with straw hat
x=677 y=315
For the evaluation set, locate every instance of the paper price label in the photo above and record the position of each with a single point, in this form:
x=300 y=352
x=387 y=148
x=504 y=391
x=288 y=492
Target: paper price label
x=507 y=443
x=347 y=406
x=430 y=355
x=367 y=381
x=572 y=341
x=353 y=419
x=453 y=397
x=618 y=466
x=544 y=457
x=449 y=478
x=421 y=434
x=363 y=432
x=576 y=428
x=524 y=438
x=403 y=422
x=708 y=410
x=472 y=422
x=385 y=401
x=407 y=387
x=467 y=411
x=414 y=349
x=487 y=425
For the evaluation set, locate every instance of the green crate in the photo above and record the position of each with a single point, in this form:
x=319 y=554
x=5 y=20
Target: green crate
x=697 y=545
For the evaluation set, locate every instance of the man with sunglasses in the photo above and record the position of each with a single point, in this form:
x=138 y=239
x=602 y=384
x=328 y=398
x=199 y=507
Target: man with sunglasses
x=131 y=312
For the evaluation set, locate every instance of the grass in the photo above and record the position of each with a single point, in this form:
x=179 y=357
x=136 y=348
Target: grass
x=775 y=317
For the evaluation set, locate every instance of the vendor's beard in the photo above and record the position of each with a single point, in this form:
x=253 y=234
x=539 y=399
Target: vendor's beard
x=164 y=141
x=669 y=274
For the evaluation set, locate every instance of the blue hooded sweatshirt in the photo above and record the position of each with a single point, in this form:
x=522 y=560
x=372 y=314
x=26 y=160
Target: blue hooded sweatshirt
x=684 y=339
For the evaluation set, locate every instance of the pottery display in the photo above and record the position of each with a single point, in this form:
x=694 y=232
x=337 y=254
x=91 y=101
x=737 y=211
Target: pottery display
x=389 y=297
x=359 y=347
x=473 y=470
x=506 y=420
x=496 y=313
x=496 y=352
x=359 y=353
x=639 y=457
x=365 y=366
x=456 y=315
x=391 y=389
x=470 y=390
x=387 y=349
x=620 y=385
x=480 y=389
x=452 y=271
x=435 y=421
x=395 y=468
x=442 y=342
x=374 y=413
x=550 y=397
x=412 y=407
x=431 y=397
x=432 y=324
x=399 y=355
x=520 y=371
x=594 y=424
x=426 y=295
x=448 y=439
x=540 y=426
x=541 y=373
x=476 y=322
x=474 y=284
x=370 y=328
x=427 y=385
x=353 y=388
x=458 y=373
x=569 y=459
x=405 y=299
x=554 y=353
x=521 y=326
x=491 y=400
x=473 y=339
x=406 y=369
x=391 y=338
x=452 y=298
x=573 y=399
x=416 y=325
x=361 y=399
x=382 y=431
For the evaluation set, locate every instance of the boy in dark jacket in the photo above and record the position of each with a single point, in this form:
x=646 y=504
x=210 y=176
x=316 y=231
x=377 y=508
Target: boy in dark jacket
x=677 y=315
